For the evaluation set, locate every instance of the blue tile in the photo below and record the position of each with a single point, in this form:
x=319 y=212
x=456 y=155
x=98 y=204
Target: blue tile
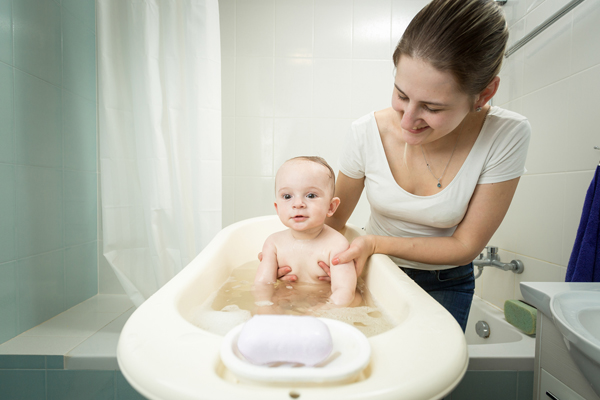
x=81 y=273
x=38 y=122
x=7 y=135
x=55 y=362
x=22 y=385
x=8 y=302
x=41 y=285
x=8 y=208
x=78 y=384
x=79 y=58
x=125 y=391
x=488 y=385
x=81 y=207
x=79 y=133
x=37 y=39
x=525 y=385
x=14 y=361
x=84 y=10
x=6 y=39
x=39 y=226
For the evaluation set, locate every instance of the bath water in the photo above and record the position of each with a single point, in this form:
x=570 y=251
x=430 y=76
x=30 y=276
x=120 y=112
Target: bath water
x=234 y=303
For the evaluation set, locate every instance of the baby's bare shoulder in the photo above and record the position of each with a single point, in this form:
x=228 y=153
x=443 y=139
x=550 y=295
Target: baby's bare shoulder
x=335 y=239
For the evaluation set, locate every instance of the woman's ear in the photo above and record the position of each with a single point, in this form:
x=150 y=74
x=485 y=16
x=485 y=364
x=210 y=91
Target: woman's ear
x=333 y=205
x=487 y=93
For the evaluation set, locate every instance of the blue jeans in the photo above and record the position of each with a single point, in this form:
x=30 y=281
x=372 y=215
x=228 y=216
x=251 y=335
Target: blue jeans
x=453 y=288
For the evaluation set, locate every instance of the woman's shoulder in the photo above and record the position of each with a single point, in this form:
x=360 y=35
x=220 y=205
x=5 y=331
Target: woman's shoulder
x=503 y=116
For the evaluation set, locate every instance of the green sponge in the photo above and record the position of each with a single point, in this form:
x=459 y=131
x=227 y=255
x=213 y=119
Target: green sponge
x=521 y=315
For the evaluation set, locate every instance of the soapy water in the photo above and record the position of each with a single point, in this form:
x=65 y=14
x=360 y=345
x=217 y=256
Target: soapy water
x=234 y=303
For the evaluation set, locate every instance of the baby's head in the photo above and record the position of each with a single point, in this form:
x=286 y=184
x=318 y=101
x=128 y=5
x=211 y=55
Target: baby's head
x=304 y=189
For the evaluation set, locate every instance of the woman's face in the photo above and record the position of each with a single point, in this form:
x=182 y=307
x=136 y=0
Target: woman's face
x=428 y=102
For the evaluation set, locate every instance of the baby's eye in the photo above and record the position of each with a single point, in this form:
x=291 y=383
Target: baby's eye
x=286 y=196
x=311 y=196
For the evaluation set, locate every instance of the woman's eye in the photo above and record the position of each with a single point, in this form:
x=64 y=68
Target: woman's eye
x=431 y=110
x=402 y=98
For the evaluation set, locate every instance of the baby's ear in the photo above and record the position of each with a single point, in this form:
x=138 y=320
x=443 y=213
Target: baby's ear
x=333 y=205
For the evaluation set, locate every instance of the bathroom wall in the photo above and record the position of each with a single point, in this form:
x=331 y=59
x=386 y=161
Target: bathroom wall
x=296 y=73
x=555 y=81
x=48 y=172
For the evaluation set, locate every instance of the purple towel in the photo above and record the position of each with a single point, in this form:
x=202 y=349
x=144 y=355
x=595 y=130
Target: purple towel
x=584 y=264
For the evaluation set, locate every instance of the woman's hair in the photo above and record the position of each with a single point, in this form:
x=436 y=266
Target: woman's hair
x=464 y=37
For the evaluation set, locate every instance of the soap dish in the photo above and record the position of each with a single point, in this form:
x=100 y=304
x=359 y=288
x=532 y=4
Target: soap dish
x=351 y=353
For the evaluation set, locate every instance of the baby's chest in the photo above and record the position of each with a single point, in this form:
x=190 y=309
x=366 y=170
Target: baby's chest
x=304 y=262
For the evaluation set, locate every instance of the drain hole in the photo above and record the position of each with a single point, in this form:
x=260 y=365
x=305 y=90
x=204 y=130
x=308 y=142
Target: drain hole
x=483 y=329
x=294 y=395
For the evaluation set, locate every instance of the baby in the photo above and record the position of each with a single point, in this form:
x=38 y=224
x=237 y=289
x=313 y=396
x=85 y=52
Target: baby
x=304 y=189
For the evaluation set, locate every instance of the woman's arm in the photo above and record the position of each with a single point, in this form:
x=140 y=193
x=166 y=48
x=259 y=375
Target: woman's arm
x=348 y=190
x=486 y=210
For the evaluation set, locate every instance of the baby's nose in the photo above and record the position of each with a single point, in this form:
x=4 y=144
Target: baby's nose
x=299 y=203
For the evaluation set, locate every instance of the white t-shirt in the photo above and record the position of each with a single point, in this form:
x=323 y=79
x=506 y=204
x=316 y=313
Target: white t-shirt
x=498 y=155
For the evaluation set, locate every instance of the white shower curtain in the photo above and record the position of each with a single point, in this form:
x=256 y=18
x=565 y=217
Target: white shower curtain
x=159 y=99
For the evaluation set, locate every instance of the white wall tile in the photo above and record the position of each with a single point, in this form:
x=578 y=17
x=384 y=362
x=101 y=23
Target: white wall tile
x=582 y=111
x=254 y=84
x=228 y=86
x=255 y=25
x=332 y=88
x=511 y=79
x=545 y=111
x=403 y=11
x=372 y=86
x=328 y=136
x=254 y=197
x=292 y=138
x=227 y=28
x=577 y=185
x=586 y=31
x=547 y=57
x=253 y=146
x=533 y=224
x=497 y=285
x=535 y=271
x=294 y=20
x=293 y=87
x=228 y=146
x=228 y=215
x=333 y=29
x=371 y=29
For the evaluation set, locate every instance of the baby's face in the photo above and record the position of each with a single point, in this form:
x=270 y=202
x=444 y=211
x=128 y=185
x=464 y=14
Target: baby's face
x=304 y=193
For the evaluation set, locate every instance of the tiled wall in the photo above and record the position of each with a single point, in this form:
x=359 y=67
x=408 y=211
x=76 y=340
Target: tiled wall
x=296 y=73
x=555 y=81
x=48 y=172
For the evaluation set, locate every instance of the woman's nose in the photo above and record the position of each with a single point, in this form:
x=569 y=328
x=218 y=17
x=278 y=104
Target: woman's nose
x=410 y=117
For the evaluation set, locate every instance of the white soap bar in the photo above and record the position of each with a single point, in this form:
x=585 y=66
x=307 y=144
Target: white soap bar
x=267 y=339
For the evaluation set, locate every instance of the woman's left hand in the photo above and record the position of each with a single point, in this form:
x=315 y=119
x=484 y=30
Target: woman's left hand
x=359 y=251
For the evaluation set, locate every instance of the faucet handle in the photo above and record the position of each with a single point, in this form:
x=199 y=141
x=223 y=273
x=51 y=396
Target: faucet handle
x=493 y=250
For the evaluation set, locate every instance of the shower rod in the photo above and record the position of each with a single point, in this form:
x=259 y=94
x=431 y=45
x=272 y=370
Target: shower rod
x=541 y=27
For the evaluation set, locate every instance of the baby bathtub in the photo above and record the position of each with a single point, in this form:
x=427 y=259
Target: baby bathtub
x=164 y=356
x=506 y=349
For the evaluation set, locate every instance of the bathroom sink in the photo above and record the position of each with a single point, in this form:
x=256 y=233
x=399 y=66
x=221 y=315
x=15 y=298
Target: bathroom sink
x=577 y=317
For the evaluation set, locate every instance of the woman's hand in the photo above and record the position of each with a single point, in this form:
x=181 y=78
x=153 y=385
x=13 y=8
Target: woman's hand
x=282 y=272
x=359 y=251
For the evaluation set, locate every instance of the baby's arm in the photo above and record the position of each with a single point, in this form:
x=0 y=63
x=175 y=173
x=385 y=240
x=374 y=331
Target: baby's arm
x=267 y=269
x=343 y=278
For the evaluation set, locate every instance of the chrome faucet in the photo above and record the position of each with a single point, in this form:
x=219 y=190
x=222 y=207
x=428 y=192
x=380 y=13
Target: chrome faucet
x=492 y=259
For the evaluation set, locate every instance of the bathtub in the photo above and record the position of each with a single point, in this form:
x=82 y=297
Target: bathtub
x=506 y=349
x=163 y=355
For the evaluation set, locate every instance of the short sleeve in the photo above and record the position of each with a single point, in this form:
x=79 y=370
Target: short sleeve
x=506 y=159
x=352 y=158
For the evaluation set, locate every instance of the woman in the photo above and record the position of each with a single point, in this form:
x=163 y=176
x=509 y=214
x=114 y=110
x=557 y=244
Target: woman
x=440 y=166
